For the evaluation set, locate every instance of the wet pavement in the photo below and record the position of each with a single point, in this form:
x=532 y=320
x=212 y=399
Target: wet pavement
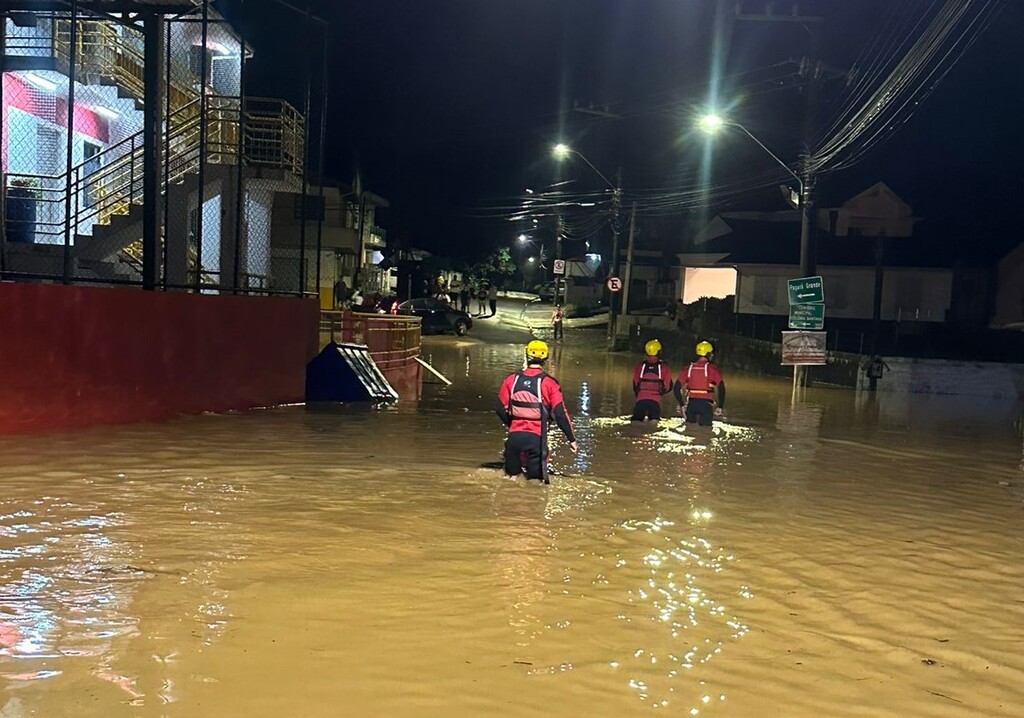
x=838 y=556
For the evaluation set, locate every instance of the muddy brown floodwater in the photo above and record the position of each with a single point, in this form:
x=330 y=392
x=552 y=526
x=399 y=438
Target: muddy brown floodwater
x=837 y=557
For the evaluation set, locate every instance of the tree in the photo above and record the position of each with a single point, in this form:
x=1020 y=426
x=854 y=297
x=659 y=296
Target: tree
x=494 y=267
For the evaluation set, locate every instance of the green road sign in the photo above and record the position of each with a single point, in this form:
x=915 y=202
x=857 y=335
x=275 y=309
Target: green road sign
x=808 y=290
x=807 y=316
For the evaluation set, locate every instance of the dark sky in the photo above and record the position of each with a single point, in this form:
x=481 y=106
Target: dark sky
x=450 y=106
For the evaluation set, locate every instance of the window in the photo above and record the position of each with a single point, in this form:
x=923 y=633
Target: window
x=837 y=292
x=765 y=291
x=314 y=207
x=908 y=292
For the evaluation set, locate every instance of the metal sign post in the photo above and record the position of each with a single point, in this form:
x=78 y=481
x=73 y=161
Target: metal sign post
x=807 y=316
x=806 y=311
x=803 y=349
x=806 y=290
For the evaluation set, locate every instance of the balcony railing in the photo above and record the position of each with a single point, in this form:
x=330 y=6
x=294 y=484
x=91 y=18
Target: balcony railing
x=109 y=183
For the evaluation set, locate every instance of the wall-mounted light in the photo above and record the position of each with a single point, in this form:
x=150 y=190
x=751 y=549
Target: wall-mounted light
x=217 y=48
x=41 y=82
x=106 y=112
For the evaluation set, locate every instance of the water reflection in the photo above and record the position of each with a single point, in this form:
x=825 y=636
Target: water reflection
x=296 y=563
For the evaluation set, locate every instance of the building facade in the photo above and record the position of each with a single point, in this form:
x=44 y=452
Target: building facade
x=75 y=158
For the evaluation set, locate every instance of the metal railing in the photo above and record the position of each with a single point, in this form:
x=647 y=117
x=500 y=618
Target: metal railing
x=392 y=341
x=109 y=183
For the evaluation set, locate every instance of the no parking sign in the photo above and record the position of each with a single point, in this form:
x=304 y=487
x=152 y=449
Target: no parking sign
x=614 y=284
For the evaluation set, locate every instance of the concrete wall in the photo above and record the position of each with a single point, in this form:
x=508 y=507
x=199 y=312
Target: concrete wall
x=987 y=380
x=971 y=380
x=79 y=356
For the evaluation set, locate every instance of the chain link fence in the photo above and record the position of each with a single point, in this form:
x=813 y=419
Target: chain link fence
x=226 y=171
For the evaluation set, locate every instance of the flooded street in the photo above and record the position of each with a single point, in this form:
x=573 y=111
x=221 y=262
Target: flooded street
x=836 y=557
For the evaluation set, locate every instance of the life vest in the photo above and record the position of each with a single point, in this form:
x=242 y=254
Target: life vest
x=698 y=383
x=650 y=378
x=526 y=402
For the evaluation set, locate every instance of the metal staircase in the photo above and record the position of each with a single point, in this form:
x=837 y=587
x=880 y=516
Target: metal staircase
x=101 y=198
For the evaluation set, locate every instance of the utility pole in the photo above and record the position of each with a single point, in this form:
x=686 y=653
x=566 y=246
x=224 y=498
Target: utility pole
x=876 y=309
x=559 y=280
x=812 y=70
x=628 y=277
x=613 y=308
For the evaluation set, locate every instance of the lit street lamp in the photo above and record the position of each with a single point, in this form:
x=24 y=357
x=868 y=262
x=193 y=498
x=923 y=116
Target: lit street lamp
x=713 y=124
x=710 y=124
x=562 y=151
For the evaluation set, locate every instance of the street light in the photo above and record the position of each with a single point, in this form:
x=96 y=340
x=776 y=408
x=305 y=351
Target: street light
x=711 y=124
x=523 y=239
x=562 y=151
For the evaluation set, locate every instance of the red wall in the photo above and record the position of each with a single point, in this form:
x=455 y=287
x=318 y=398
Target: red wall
x=78 y=356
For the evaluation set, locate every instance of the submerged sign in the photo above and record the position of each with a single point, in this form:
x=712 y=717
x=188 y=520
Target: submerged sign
x=806 y=290
x=803 y=348
x=806 y=316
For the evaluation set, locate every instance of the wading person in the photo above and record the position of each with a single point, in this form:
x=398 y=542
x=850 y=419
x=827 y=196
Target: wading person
x=700 y=381
x=652 y=379
x=557 y=316
x=528 y=402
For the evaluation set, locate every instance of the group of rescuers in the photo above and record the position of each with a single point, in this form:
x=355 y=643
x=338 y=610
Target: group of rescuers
x=530 y=399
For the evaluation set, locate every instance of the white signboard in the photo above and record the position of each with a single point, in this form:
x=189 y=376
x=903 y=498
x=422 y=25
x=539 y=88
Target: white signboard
x=559 y=266
x=803 y=348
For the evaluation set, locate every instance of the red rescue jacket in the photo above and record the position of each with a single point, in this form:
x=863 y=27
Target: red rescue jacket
x=701 y=379
x=529 y=400
x=651 y=381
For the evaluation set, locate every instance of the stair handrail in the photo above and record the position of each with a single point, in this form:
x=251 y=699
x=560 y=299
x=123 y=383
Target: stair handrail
x=101 y=49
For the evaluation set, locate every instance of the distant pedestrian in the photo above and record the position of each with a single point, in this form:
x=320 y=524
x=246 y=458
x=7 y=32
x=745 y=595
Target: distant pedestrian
x=464 y=299
x=492 y=298
x=481 y=301
x=557 y=316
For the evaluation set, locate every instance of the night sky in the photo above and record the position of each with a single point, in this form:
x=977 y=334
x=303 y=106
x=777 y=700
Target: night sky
x=449 y=107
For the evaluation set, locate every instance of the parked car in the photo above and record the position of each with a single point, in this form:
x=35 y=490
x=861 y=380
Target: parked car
x=437 y=317
x=546 y=291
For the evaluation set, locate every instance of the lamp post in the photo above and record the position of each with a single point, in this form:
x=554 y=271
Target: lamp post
x=563 y=151
x=711 y=124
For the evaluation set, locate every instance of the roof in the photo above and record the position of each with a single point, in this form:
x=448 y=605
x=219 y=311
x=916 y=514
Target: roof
x=161 y=6
x=752 y=242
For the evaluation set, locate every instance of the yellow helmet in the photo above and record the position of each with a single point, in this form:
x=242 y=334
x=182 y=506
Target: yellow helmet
x=652 y=348
x=537 y=350
x=704 y=348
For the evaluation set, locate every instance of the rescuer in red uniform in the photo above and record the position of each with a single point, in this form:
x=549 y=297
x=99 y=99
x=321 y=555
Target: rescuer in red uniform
x=528 y=402
x=652 y=379
x=700 y=381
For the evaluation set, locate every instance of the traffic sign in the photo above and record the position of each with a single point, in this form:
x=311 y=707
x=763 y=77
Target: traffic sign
x=614 y=284
x=559 y=267
x=807 y=316
x=803 y=348
x=807 y=290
